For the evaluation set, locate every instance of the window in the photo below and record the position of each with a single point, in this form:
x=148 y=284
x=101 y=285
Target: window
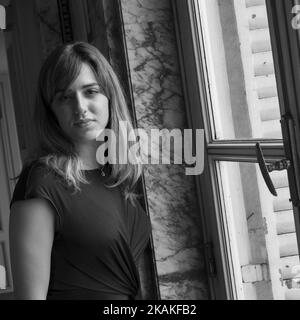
x=240 y=69
x=241 y=88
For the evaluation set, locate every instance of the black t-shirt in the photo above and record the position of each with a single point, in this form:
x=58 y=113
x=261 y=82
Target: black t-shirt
x=99 y=236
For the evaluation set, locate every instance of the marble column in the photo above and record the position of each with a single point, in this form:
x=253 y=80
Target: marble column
x=158 y=100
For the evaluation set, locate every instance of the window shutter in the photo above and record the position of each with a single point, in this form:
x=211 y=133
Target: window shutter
x=261 y=91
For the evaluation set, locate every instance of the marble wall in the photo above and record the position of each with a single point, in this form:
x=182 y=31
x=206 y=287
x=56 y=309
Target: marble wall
x=154 y=67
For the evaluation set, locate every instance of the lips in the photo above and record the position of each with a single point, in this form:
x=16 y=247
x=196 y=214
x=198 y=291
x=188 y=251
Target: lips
x=83 y=122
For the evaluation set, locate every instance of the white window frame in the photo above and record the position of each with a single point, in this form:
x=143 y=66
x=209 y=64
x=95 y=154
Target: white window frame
x=193 y=72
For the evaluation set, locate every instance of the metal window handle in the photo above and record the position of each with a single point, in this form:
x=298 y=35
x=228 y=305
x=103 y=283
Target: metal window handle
x=266 y=168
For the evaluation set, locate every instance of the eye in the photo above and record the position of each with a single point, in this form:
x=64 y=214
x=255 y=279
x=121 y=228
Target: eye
x=64 y=97
x=92 y=91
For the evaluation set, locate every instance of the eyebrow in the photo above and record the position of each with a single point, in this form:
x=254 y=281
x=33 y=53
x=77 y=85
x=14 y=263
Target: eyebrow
x=90 y=85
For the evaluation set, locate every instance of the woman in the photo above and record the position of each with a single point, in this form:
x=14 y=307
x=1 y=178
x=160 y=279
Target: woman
x=76 y=228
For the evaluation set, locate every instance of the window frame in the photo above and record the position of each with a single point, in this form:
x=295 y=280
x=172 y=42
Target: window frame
x=284 y=44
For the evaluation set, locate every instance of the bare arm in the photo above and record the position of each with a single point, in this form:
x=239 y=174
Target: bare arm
x=31 y=234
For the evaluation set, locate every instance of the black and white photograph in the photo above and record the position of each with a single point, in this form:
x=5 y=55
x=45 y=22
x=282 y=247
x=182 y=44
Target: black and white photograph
x=149 y=151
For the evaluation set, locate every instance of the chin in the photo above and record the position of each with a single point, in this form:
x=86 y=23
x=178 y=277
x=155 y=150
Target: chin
x=88 y=136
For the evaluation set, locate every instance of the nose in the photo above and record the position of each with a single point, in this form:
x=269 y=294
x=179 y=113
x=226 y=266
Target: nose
x=80 y=105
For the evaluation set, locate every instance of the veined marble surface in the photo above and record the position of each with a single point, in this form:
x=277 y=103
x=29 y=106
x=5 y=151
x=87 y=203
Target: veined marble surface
x=172 y=200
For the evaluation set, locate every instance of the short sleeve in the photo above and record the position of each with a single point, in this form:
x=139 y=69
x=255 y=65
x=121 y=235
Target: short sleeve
x=36 y=181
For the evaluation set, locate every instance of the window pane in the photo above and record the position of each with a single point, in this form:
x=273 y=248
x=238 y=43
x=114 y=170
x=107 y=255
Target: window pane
x=240 y=72
x=260 y=233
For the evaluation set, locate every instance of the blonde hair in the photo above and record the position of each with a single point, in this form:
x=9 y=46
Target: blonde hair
x=56 y=150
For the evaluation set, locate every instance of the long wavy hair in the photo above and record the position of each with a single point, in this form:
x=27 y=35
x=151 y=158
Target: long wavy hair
x=56 y=150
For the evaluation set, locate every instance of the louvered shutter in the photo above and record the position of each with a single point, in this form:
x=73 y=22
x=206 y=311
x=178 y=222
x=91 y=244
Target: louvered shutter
x=261 y=91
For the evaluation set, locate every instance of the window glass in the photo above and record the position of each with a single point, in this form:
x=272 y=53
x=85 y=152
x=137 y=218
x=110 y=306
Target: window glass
x=240 y=72
x=260 y=233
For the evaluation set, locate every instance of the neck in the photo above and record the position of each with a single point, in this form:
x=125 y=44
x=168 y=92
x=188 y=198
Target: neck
x=87 y=154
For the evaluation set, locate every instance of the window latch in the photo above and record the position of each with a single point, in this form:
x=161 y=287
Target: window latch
x=265 y=168
x=280 y=165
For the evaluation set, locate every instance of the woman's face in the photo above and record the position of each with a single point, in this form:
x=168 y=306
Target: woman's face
x=82 y=110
